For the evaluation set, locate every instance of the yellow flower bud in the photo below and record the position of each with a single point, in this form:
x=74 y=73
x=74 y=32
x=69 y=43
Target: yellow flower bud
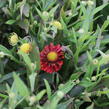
x=57 y=24
x=26 y=47
x=13 y=39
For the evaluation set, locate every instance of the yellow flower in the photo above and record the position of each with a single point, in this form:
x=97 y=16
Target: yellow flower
x=52 y=56
x=26 y=47
x=57 y=24
x=13 y=39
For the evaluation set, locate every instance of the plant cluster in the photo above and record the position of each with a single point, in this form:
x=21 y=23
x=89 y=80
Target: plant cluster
x=54 y=54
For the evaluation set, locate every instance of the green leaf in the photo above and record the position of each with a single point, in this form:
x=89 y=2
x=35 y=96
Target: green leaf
x=5 y=50
x=91 y=106
x=35 y=56
x=3 y=95
x=89 y=56
x=48 y=4
x=9 y=76
x=105 y=25
x=105 y=41
x=65 y=104
x=2 y=3
x=20 y=86
x=24 y=9
x=54 y=101
x=32 y=79
x=53 y=10
x=48 y=88
x=24 y=24
x=86 y=83
x=2 y=103
x=8 y=53
x=96 y=10
x=64 y=26
x=65 y=88
x=27 y=61
x=10 y=22
x=40 y=95
x=75 y=76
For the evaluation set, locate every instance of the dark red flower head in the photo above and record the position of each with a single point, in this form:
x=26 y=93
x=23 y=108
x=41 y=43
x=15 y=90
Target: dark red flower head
x=51 y=58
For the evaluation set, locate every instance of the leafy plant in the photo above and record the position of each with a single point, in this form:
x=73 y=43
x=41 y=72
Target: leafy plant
x=54 y=54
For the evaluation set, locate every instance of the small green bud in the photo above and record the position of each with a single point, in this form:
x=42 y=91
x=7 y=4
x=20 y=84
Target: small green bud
x=12 y=95
x=95 y=61
x=2 y=54
x=32 y=100
x=60 y=94
x=90 y=3
x=45 y=15
x=81 y=31
x=84 y=2
x=94 y=78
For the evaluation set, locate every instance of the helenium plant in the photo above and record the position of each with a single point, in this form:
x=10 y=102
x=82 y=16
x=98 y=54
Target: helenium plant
x=54 y=54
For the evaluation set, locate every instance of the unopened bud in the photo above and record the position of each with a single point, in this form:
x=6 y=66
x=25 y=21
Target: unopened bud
x=90 y=3
x=77 y=81
x=81 y=31
x=33 y=65
x=11 y=95
x=84 y=2
x=32 y=100
x=95 y=61
x=60 y=94
x=94 y=78
x=2 y=54
x=107 y=17
x=45 y=15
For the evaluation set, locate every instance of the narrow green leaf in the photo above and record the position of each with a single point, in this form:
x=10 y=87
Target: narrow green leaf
x=35 y=56
x=48 y=88
x=40 y=95
x=96 y=10
x=65 y=88
x=65 y=104
x=48 y=4
x=105 y=25
x=32 y=79
x=91 y=106
x=10 y=22
x=2 y=103
x=20 y=86
x=5 y=50
x=27 y=61
x=24 y=24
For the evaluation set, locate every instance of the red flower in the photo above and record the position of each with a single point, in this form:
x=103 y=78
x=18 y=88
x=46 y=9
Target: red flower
x=51 y=58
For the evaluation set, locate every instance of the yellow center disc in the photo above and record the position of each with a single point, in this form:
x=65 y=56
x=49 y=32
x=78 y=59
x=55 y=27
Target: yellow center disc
x=52 y=56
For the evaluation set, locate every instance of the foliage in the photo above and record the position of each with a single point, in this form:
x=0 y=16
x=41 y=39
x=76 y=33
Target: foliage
x=81 y=28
